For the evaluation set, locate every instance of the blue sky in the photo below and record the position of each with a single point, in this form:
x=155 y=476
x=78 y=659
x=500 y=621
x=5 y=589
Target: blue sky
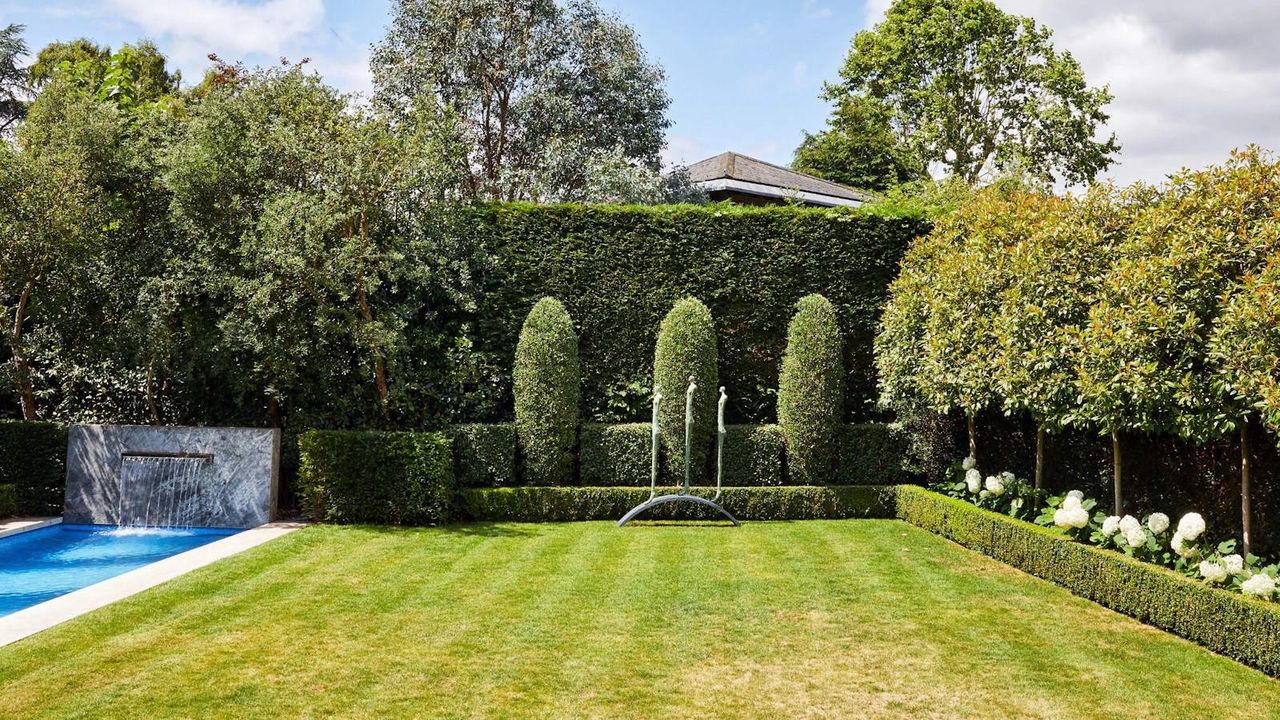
x=742 y=76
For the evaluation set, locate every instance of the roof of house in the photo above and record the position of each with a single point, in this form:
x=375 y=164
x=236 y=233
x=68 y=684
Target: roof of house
x=734 y=171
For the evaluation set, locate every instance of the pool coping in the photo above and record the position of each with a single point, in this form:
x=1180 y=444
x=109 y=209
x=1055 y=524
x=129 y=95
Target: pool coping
x=16 y=526
x=29 y=621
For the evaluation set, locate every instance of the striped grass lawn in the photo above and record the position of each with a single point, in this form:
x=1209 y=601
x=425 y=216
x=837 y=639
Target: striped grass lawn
x=862 y=618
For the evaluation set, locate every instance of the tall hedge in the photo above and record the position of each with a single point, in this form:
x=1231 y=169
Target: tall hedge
x=547 y=386
x=400 y=478
x=809 y=392
x=33 y=459
x=686 y=348
x=618 y=269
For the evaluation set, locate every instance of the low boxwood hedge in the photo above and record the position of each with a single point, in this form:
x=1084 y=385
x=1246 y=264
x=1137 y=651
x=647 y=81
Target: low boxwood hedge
x=559 y=504
x=376 y=477
x=1225 y=622
x=870 y=454
x=33 y=459
x=484 y=455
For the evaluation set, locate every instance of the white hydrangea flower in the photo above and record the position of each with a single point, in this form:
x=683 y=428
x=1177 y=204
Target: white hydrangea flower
x=973 y=479
x=1135 y=537
x=1158 y=522
x=1077 y=495
x=1071 y=517
x=1070 y=502
x=1191 y=526
x=1260 y=585
x=1234 y=564
x=1182 y=547
x=1111 y=525
x=1212 y=571
x=969 y=463
x=1129 y=524
x=983 y=494
x=995 y=485
x=1007 y=477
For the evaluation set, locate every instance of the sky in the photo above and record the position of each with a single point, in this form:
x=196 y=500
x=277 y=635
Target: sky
x=745 y=75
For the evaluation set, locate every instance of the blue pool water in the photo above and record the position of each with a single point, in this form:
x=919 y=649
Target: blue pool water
x=42 y=564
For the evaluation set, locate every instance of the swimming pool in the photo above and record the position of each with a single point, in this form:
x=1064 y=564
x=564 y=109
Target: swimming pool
x=42 y=564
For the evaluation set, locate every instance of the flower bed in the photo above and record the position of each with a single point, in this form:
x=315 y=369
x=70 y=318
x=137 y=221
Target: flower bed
x=1229 y=623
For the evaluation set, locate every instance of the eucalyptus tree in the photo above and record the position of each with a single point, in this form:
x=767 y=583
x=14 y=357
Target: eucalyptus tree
x=1147 y=364
x=532 y=82
x=976 y=91
x=1054 y=273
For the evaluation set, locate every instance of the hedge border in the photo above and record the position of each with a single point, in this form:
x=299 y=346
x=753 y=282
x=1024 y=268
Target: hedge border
x=33 y=458
x=1227 y=623
x=566 y=504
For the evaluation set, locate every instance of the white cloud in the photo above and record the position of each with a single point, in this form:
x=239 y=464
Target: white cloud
x=1190 y=82
x=227 y=27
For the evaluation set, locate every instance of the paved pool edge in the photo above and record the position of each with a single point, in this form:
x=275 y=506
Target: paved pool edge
x=27 y=622
x=21 y=525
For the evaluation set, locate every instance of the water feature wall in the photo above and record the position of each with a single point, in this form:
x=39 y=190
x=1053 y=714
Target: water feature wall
x=171 y=476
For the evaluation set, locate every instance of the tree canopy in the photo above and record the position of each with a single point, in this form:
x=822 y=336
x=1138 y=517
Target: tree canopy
x=966 y=89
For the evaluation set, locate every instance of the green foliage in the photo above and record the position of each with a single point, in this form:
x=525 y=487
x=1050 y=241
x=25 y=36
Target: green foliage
x=559 y=504
x=484 y=455
x=548 y=392
x=543 y=89
x=614 y=455
x=14 y=78
x=870 y=454
x=857 y=149
x=8 y=500
x=33 y=459
x=81 y=52
x=979 y=91
x=753 y=456
x=1227 y=623
x=685 y=351
x=809 y=394
x=1147 y=365
x=1245 y=344
x=618 y=269
x=396 y=478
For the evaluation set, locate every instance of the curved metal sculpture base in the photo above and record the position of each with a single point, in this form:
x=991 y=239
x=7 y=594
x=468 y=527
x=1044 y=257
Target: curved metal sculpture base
x=664 y=499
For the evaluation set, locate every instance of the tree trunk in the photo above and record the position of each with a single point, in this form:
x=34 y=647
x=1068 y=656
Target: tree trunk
x=1118 y=504
x=273 y=412
x=973 y=441
x=21 y=368
x=1039 y=456
x=151 y=395
x=1246 y=521
x=366 y=314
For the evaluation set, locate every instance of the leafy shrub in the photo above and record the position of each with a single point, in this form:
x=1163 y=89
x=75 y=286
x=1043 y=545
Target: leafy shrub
x=870 y=454
x=618 y=269
x=1231 y=624
x=376 y=477
x=753 y=456
x=8 y=500
x=33 y=458
x=547 y=387
x=686 y=348
x=613 y=455
x=559 y=504
x=809 y=393
x=484 y=455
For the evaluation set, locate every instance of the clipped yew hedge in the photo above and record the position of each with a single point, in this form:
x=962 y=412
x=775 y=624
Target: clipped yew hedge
x=33 y=459
x=484 y=454
x=871 y=454
x=547 y=389
x=618 y=270
x=1225 y=622
x=810 y=399
x=565 y=504
x=358 y=476
x=686 y=348
x=8 y=501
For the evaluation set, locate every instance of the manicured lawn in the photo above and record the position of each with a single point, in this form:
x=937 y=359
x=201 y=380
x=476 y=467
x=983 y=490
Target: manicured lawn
x=808 y=619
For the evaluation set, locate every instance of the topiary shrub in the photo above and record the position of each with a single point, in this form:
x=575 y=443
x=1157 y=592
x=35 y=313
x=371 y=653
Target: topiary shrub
x=613 y=455
x=686 y=347
x=753 y=455
x=8 y=501
x=484 y=455
x=810 y=397
x=401 y=478
x=547 y=387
